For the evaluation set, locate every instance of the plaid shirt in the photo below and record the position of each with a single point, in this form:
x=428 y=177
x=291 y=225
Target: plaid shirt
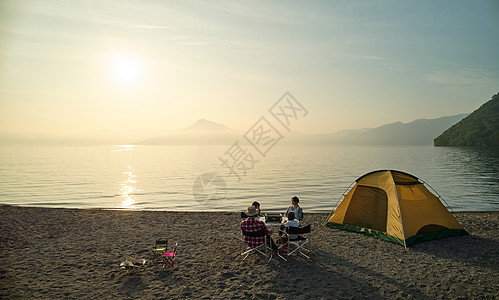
x=252 y=225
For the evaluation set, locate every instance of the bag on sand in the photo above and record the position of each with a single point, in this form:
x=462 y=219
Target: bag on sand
x=132 y=263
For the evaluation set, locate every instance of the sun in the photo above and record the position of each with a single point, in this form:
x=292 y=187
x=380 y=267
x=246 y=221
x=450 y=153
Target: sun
x=125 y=69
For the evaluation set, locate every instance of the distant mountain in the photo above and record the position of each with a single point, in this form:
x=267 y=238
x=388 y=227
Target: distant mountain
x=205 y=125
x=480 y=128
x=418 y=132
x=202 y=132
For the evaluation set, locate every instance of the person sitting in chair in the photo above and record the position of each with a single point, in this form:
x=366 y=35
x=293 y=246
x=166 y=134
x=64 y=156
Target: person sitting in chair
x=291 y=222
x=253 y=225
x=258 y=209
x=295 y=208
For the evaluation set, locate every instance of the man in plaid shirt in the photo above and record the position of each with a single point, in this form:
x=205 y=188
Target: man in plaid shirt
x=253 y=225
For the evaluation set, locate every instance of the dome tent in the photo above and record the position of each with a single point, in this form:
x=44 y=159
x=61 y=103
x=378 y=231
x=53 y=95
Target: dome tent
x=394 y=206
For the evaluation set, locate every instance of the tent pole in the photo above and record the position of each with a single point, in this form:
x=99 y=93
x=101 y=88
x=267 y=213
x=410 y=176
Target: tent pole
x=337 y=201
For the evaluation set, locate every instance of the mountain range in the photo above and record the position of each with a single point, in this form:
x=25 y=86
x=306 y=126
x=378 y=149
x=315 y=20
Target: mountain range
x=204 y=132
x=418 y=132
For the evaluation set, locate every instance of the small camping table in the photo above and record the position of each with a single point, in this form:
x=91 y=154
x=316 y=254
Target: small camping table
x=272 y=224
x=277 y=225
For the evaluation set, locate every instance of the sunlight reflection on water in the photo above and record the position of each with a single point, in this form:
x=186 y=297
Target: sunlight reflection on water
x=128 y=186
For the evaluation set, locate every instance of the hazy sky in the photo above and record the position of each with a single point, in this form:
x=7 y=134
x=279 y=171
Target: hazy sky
x=141 y=68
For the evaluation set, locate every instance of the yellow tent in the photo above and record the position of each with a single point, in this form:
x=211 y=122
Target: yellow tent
x=394 y=206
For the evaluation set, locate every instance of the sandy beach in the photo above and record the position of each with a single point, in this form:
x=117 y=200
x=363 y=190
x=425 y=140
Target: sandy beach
x=76 y=254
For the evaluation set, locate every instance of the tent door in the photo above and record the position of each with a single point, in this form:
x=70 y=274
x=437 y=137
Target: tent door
x=368 y=208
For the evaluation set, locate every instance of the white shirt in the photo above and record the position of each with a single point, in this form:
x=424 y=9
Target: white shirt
x=292 y=223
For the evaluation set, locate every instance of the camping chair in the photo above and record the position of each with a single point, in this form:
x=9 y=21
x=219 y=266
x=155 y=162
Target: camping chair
x=262 y=248
x=295 y=244
x=168 y=257
x=160 y=247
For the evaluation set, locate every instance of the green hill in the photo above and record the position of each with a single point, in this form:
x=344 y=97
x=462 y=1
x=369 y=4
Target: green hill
x=480 y=128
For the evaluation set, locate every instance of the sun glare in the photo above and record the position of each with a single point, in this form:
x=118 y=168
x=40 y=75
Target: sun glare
x=125 y=69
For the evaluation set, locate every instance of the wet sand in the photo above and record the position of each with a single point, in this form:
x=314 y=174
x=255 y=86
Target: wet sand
x=76 y=254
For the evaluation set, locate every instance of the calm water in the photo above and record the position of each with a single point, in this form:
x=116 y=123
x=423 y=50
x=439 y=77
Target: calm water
x=163 y=178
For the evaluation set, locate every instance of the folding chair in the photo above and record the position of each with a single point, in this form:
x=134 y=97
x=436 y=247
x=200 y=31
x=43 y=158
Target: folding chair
x=262 y=248
x=295 y=244
x=160 y=247
x=168 y=257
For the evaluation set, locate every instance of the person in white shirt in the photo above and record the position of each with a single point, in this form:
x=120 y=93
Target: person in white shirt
x=291 y=222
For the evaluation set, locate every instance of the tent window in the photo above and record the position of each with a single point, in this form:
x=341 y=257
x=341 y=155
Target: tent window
x=404 y=179
x=368 y=208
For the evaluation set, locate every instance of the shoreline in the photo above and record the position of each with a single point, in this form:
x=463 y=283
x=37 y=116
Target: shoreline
x=202 y=211
x=76 y=253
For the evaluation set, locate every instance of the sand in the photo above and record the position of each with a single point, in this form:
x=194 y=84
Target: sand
x=75 y=254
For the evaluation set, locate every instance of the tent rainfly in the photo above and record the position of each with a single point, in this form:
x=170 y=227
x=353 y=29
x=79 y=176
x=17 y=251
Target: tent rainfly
x=394 y=206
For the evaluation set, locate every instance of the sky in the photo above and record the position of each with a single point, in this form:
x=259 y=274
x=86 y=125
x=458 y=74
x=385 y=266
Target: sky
x=136 y=69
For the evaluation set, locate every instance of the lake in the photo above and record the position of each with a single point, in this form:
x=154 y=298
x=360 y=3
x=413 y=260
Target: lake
x=222 y=178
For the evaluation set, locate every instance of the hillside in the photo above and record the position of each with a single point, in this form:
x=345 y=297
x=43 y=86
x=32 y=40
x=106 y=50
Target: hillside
x=479 y=129
x=418 y=132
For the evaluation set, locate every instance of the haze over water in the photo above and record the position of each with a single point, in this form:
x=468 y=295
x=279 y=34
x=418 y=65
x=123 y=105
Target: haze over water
x=162 y=177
